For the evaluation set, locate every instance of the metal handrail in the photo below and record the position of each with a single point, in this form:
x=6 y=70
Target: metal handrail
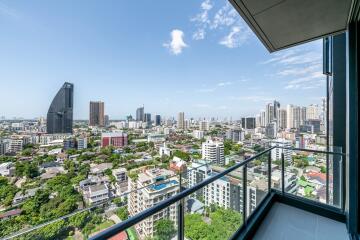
x=311 y=150
x=28 y=230
x=115 y=229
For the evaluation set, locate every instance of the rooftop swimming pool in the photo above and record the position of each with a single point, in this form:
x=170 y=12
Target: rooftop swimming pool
x=163 y=185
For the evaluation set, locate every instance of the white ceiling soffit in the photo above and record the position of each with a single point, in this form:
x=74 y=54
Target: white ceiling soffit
x=283 y=23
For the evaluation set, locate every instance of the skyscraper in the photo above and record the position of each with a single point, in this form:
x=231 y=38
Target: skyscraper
x=302 y=115
x=140 y=114
x=97 y=117
x=181 y=120
x=276 y=109
x=262 y=118
x=248 y=123
x=282 y=118
x=147 y=119
x=60 y=113
x=293 y=116
x=269 y=113
x=107 y=120
x=157 y=120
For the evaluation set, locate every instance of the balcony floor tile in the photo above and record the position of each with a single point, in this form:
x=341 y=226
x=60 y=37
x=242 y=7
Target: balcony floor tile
x=287 y=222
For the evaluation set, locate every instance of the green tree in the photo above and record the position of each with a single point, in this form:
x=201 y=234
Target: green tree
x=79 y=220
x=183 y=155
x=164 y=229
x=7 y=191
x=27 y=152
x=122 y=213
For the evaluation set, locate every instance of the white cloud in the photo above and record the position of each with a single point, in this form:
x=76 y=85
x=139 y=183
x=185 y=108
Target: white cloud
x=176 y=43
x=7 y=11
x=225 y=16
x=225 y=19
x=206 y=5
x=236 y=37
x=199 y=34
x=223 y=84
x=299 y=67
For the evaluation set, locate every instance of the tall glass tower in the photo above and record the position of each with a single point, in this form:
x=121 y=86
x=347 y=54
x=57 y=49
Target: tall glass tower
x=60 y=114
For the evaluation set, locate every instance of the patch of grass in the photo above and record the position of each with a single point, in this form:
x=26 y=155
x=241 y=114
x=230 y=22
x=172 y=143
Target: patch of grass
x=132 y=233
x=102 y=226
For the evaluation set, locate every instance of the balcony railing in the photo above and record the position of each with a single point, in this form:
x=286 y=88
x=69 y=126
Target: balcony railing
x=250 y=182
x=179 y=198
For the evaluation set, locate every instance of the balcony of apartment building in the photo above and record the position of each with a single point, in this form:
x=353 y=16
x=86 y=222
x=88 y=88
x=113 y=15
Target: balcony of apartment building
x=272 y=197
x=288 y=200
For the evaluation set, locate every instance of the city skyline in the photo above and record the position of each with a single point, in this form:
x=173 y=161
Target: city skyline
x=169 y=70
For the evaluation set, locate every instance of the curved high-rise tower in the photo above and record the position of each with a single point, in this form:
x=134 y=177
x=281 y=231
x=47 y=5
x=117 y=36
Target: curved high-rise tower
x=60 y=114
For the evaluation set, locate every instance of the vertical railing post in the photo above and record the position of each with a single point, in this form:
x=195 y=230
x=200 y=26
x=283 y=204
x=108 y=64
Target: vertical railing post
x=269 y=172
x=282 y=172
x=327 y=176
x=244 y=196
x=180 y=213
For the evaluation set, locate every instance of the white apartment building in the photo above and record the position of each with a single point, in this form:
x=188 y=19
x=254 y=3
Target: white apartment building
x=227 y=191
x=198 y=134
x=312 y=112
x=97 y=194
x=46 y=139
x=156 y=138
x=4 y=147
x=213 y=151
x=276 y=152
x=154 y=185
x=167 y=131
x=197 y=172
x=81 y=143
x=7 y=169
x=164 y=150
x=218 y=192
x=16 y=145
x=121 y=178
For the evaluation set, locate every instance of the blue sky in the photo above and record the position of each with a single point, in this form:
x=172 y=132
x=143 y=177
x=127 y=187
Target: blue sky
x=193 y=56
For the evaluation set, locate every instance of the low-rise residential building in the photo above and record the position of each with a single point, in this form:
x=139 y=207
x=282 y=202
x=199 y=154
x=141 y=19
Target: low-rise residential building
x=99 y=169
x=97 y=194
x=116 y=139
x=121 y=177
x=198 y=134
x=81 y=143
x=164 y=150
x=7 y=169
x=281 y=143
x=156 y=138
x=21 y=196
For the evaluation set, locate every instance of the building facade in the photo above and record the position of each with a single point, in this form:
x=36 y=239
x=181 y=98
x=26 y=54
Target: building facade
x=60 y=113
x=154 y=185
x=97 y=117
x=116 y=139
x=213 y=151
